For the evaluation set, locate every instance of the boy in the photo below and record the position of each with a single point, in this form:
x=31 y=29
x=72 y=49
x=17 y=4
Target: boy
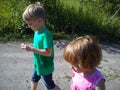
x=34 y=16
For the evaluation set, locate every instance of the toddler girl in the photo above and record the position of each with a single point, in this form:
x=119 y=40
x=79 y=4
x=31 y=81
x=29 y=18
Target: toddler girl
x=84 y=55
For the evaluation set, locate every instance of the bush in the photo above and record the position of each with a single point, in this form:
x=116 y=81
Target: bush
x=11 y=22
x=73 y=17
x=85 y=17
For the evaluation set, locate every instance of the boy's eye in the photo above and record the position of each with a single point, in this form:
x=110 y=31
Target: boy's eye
x=29 y=24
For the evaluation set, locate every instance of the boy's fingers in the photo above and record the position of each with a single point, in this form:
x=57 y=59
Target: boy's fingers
x=23 y=45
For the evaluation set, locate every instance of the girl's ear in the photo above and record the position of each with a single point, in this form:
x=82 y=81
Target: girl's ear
x=79 y=65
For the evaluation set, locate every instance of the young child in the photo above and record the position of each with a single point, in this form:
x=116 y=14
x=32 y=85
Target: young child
x=34 y=16
x=84 y=55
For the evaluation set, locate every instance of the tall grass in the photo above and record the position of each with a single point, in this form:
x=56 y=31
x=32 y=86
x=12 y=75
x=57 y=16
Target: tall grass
x=10 y=18
x=64 y=17
x=86 y=17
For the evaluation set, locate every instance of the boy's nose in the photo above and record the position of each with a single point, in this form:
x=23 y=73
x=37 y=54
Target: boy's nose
x=29 y=26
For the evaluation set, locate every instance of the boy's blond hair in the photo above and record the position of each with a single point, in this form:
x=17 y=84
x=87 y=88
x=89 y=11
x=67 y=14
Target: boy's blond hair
x=34 y=11
x=84 y=51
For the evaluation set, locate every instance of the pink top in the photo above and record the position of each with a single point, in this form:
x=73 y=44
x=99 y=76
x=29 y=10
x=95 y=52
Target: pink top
x=80 y=82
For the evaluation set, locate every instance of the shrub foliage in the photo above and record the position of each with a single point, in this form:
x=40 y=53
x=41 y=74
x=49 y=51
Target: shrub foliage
x=100 y=18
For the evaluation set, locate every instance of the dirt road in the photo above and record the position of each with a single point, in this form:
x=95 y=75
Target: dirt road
x=16 y=66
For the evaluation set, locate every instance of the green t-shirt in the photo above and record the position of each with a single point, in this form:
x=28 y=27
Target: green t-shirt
x=44 y=65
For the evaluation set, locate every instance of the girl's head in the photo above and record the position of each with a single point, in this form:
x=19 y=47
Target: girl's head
x=34 y=11
x=83 y=53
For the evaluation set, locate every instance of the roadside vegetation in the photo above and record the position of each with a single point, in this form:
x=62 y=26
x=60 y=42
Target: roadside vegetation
x=67 y=19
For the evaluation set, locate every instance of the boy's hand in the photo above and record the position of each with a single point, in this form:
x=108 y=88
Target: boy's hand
x=26 y=47
x=23 y=46
x=29 y=48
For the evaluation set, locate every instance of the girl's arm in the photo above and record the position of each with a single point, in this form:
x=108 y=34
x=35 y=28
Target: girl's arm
x=100 y=85
x=71 y=85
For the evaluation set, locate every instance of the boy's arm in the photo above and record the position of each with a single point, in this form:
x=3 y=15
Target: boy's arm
x=44 y=52
x=100 y=85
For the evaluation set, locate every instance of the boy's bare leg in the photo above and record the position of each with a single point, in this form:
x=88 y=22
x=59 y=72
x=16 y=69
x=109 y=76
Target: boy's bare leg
x=34 y=85
x=56 y=88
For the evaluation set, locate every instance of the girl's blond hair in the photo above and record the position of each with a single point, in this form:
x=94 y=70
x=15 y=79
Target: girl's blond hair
x=84 y=51
x=34 y=11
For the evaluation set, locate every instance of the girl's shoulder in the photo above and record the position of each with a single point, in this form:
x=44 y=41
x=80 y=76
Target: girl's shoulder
x=100 y=85
x=99 y=80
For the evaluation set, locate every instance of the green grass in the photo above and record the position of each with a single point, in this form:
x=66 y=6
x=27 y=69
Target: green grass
x=70 y=3
x=72 y=18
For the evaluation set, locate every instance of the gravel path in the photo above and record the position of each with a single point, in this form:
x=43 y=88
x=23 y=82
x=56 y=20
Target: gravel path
x=16 y=66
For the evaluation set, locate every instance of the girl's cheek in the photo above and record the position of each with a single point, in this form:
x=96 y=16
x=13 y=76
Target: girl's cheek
x=74 y=69
x=77 y=70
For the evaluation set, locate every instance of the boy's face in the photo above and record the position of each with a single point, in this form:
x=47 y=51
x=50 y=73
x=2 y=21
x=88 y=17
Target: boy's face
x=33 y=24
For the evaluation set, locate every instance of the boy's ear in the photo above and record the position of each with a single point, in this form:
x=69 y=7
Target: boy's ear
x=40 y=19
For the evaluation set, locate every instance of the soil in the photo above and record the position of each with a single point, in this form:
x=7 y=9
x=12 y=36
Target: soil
x=16 y=66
